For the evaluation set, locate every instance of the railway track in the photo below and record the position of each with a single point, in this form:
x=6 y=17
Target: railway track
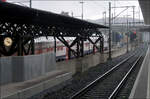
x=108 y=85
x=78 y=86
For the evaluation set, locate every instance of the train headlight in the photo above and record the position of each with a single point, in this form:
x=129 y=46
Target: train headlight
x=8 y=41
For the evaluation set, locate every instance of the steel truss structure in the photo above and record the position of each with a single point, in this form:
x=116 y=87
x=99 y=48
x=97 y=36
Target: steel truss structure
x=22 y=25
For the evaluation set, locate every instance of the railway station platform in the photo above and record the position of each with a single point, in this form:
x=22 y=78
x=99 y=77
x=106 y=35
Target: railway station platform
x=141 y=88
x=24 y=90
x=64 y=71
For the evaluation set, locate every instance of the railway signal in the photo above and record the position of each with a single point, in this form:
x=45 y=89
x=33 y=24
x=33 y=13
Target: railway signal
x=132 y=36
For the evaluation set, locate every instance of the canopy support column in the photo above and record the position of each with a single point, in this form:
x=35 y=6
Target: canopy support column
x=20 y=46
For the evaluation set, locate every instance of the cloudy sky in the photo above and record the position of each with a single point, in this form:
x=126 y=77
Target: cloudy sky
x=93 y=9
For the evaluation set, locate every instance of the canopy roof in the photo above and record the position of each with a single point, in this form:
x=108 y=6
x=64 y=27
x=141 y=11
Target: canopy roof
x=25 y=15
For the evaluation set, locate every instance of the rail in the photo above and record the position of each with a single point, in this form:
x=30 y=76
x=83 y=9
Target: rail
x=117 y=89
x=83 y=90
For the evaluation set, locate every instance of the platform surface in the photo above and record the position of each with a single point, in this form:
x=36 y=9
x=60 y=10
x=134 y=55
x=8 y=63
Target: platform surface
x=31 y=87
x=141 y=88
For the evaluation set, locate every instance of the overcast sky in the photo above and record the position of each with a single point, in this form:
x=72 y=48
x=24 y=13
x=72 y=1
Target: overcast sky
x=92 y=9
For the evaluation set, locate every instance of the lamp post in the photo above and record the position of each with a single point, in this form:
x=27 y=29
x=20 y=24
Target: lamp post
x=133 y=16
x=30 y=3
x=109 y=58
x=127 y=33
x=104 y=19
x=82 y=9
x=82 y=41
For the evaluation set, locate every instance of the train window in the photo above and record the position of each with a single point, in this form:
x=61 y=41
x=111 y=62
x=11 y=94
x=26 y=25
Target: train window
x=58 y=48
x=86 y=44
x=51 y=49
x=57 y=42
x=61 y=47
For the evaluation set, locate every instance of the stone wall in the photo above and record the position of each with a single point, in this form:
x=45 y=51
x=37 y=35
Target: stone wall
x=82 y=64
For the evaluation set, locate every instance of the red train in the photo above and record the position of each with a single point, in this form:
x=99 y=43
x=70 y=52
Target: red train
x=43 y=45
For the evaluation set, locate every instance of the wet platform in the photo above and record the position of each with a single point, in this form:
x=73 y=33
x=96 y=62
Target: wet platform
x=26 y=89
x=141 y=88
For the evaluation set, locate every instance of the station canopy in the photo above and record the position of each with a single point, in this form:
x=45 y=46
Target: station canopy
x=24 y=15
x=145 y=7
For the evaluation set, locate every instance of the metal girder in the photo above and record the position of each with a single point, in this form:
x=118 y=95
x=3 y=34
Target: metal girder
x=101 y=40
x=17 y=31
x=68 y=46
